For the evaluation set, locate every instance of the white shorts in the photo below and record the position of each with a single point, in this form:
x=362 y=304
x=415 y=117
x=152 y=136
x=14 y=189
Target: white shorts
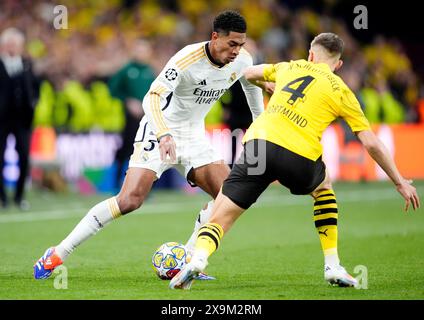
x=192 y=152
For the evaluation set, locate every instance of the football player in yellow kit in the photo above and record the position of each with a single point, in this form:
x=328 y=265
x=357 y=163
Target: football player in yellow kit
x=285 y=142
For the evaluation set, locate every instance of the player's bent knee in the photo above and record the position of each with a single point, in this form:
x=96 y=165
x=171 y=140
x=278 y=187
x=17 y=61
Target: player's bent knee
x=215 y=191
x=129 y=203
x=321 y=188
x=326 y=186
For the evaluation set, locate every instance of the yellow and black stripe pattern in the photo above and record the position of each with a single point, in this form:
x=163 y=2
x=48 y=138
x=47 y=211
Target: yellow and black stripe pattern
x=113 y=207
x=325 y=209
x=209 y=237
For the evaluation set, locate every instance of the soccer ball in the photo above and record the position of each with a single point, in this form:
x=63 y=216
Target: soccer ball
x=169 y=259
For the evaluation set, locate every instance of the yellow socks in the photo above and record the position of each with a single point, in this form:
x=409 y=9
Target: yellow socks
x=209 y=238
x=325 y=218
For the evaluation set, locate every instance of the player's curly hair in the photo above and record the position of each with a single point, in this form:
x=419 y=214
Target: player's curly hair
x=330 y=41
x=228 y=21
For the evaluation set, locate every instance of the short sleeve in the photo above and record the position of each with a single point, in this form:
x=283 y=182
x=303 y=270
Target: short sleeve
x=351 y=111
x=270 y=71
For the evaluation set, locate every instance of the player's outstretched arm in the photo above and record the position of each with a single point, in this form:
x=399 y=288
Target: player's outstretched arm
x=255 y=73
x=254 y=97
x=380 y=154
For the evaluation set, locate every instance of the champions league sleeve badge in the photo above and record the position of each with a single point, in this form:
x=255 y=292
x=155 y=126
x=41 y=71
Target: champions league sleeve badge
x=171 y=74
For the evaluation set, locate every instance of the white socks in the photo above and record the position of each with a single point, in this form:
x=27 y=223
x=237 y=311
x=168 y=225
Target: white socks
x=200 y=260
x=106 y=211
x=98 y=217
x=332 y=260
x=202 y=218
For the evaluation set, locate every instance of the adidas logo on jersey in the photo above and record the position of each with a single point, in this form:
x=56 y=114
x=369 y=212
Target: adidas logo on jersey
x=202 y=83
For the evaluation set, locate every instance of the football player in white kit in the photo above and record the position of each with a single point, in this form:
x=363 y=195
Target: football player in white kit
x=172 y=132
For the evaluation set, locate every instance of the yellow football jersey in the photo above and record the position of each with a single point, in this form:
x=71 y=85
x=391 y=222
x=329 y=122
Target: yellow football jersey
x=308 y=97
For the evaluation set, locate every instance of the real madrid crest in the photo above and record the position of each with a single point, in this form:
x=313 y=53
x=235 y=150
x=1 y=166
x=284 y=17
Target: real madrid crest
x=233 y=77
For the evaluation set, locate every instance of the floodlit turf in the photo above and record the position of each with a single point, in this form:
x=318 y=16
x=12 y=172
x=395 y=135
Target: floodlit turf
x=272 y=252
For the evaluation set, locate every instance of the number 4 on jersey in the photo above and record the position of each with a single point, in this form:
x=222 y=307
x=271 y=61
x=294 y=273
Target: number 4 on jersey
x=298 y=92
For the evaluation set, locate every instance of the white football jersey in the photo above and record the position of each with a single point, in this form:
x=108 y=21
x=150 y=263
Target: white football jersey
x=188 y=86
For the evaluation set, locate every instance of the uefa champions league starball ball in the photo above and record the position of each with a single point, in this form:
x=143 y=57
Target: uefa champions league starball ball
x=169 y=259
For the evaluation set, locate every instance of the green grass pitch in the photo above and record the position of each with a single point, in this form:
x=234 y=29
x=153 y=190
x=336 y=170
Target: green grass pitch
x=272 y=252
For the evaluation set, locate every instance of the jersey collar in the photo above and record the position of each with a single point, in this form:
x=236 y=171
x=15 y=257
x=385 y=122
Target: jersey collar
x=323 y=65
x=210 y=58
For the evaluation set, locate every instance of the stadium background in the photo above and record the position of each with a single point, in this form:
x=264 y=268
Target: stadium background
x=78 y=121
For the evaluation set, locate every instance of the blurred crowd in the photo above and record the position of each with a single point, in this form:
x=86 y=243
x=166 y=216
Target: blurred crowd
x=102 y=36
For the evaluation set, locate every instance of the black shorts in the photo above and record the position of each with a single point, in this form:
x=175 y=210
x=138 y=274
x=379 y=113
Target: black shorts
x=263 y=162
